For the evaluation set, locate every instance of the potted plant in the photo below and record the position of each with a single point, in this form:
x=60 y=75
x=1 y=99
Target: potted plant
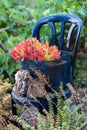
x=52 y=62
x=48 y=59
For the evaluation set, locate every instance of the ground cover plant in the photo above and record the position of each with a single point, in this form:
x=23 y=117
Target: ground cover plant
x=67 y=118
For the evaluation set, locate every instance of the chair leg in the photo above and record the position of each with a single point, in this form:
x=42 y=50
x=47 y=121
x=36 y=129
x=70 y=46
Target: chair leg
x=14 y=109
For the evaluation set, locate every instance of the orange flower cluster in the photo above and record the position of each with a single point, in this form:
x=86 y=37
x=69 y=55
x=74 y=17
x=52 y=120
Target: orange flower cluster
x=32 y=49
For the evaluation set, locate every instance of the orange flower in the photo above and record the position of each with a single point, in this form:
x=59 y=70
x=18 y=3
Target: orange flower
x=32 y=49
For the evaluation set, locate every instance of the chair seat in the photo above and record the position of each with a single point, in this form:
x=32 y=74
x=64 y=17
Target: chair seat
x=39 y=102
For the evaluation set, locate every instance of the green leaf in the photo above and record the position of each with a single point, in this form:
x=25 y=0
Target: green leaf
x=6 y=3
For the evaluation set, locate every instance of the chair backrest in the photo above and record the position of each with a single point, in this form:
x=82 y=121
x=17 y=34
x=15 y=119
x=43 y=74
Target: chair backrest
x=74 y=24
